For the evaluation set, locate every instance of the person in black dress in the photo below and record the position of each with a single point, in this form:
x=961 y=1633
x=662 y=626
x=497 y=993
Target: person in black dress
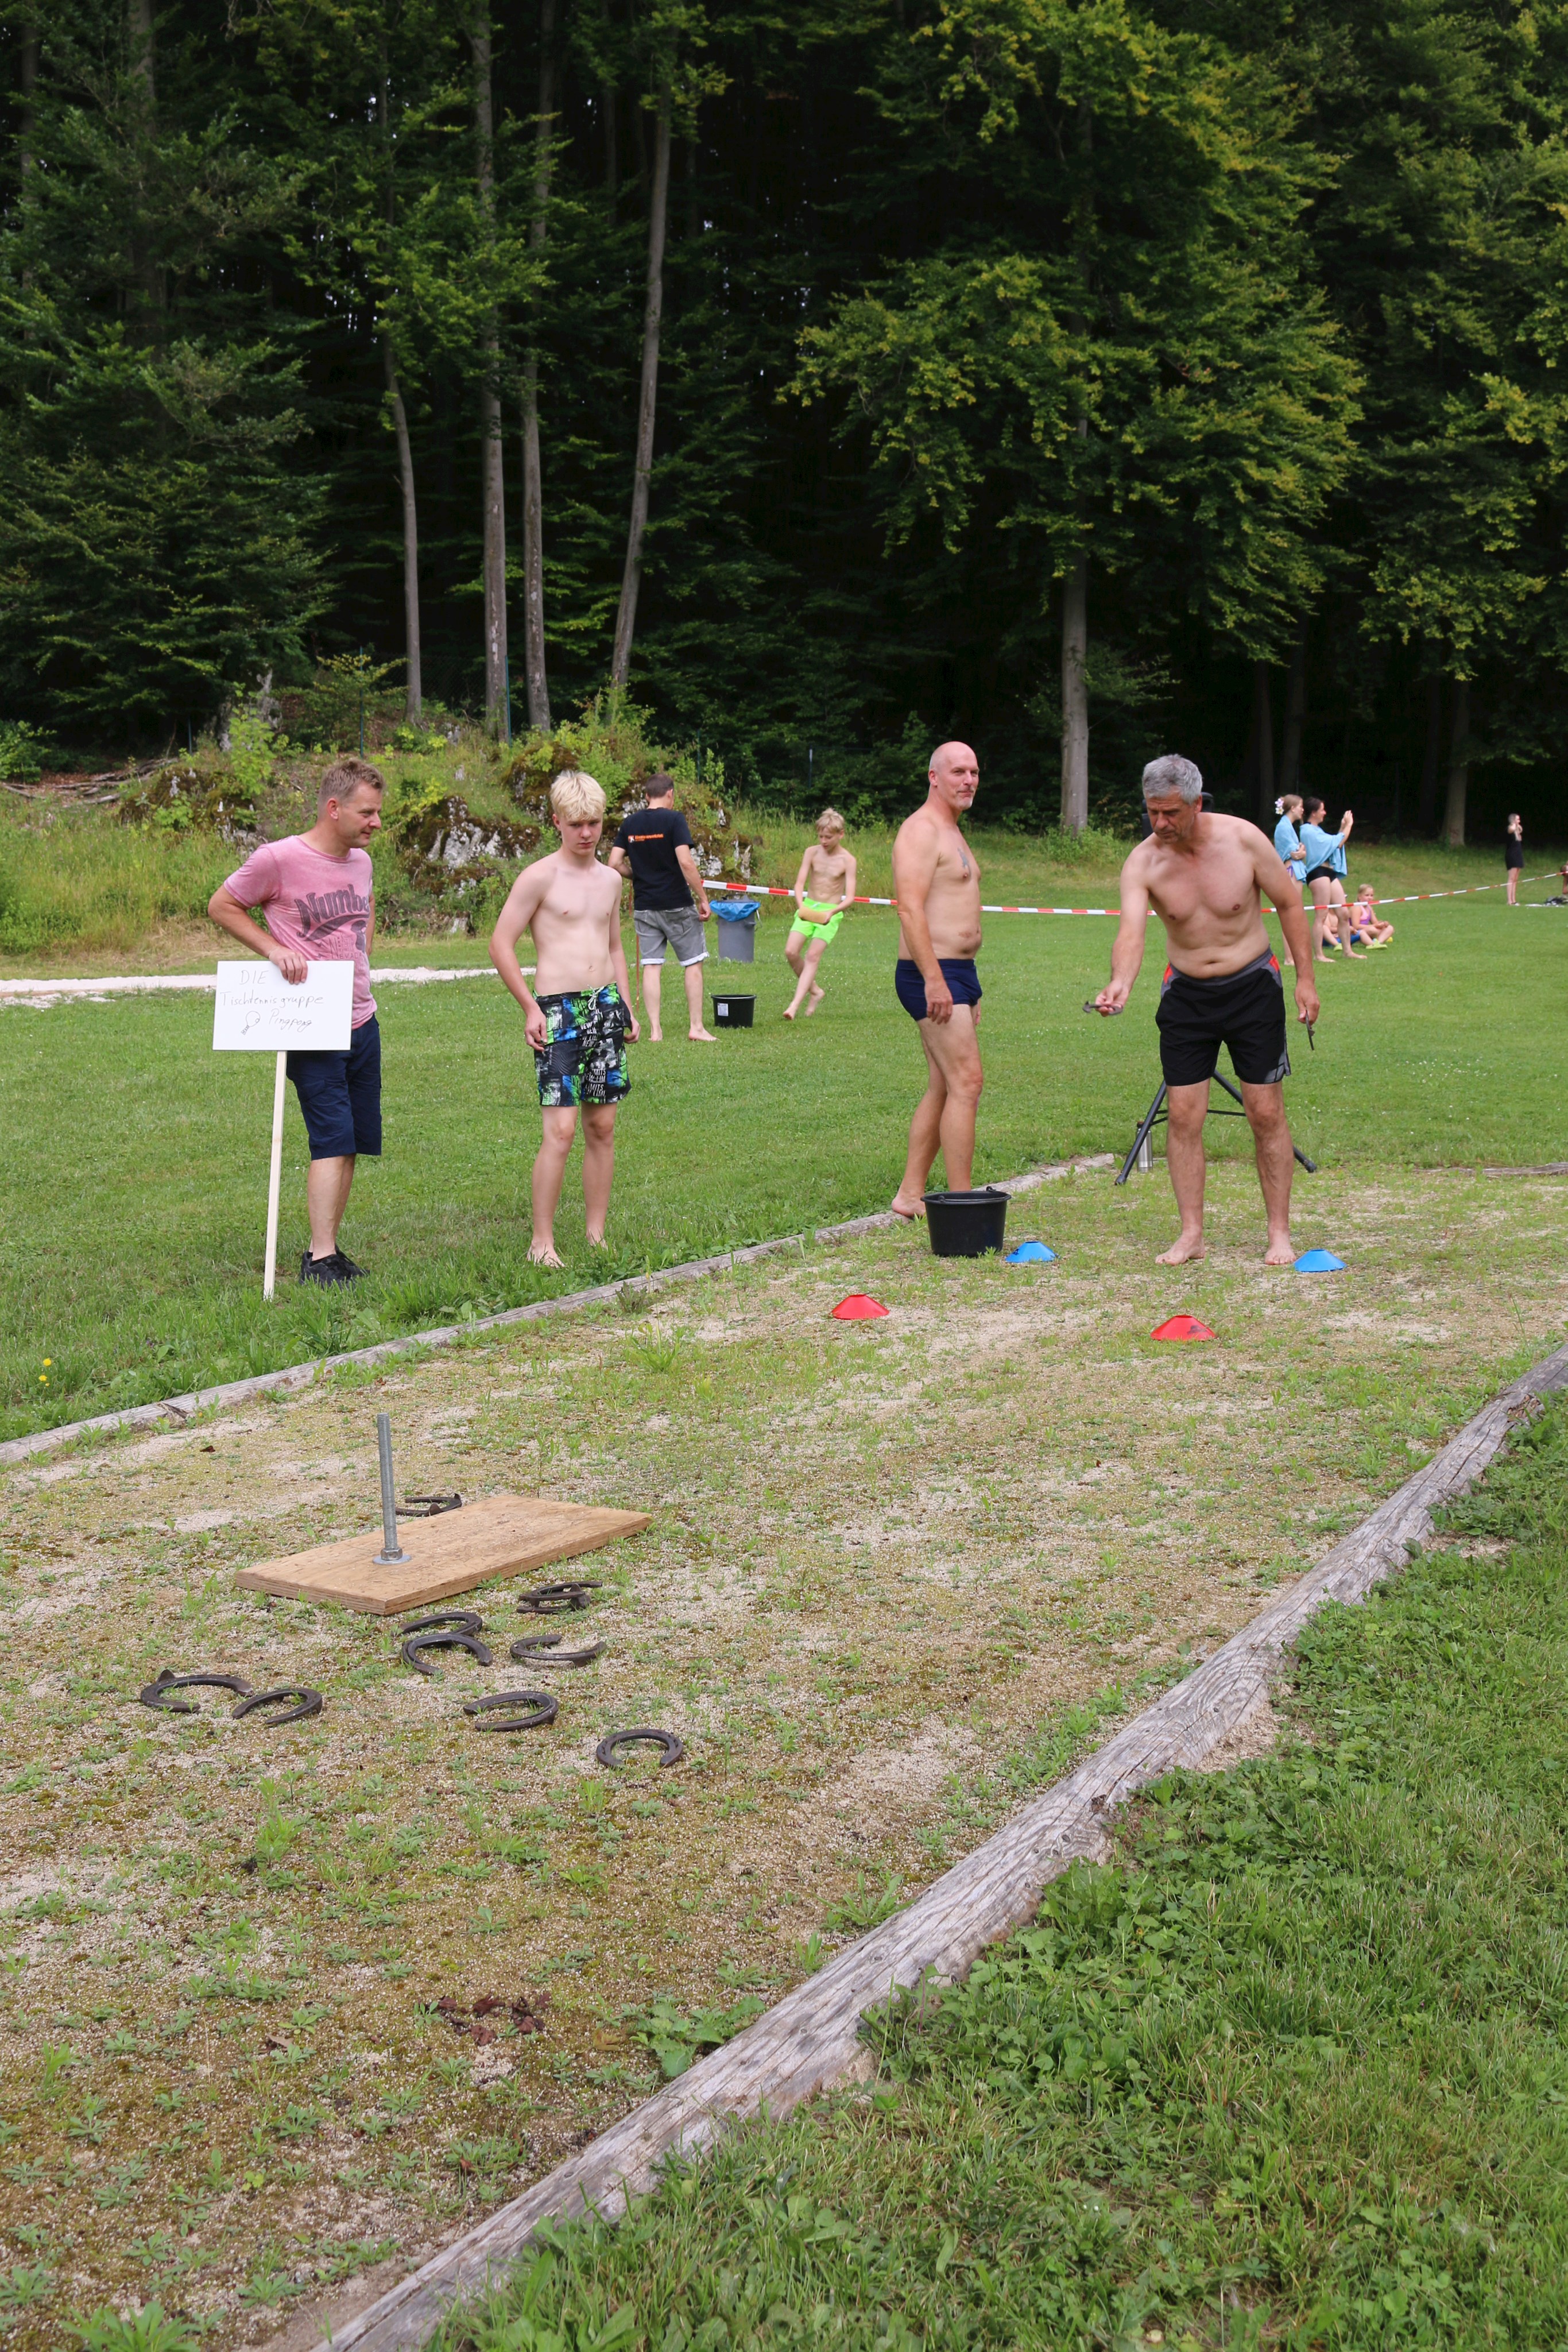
x=1513 y=857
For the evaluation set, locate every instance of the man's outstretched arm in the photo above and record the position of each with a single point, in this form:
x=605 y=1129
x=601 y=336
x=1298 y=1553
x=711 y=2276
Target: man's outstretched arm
x=1127 y=954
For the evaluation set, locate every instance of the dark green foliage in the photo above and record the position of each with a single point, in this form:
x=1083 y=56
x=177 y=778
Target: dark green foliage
x=156 y=535
x=1293 y=2074
x=1259 y=309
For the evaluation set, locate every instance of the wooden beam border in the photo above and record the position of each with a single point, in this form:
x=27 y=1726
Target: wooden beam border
x=810 y=2038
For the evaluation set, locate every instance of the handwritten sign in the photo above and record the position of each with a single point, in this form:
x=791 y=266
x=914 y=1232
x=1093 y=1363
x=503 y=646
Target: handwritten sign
x=256 y=1011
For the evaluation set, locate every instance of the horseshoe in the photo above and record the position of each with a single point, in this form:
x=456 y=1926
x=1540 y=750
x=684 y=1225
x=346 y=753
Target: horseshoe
x=428 y=1507
x=553 y=1600
x=544 y=1704
x=465 y=1620
x=418 y=1643
x=309 y=1704
x=605 y=1752
x=527 y=1651
x=154 y=1695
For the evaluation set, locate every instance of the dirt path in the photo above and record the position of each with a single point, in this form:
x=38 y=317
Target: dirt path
x=898 y=1573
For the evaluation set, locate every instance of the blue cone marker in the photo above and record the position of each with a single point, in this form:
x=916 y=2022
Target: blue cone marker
x=1319 y=1262
x=1030 y=1254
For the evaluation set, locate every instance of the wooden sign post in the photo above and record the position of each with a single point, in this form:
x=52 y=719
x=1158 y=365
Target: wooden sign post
x=256 y=1011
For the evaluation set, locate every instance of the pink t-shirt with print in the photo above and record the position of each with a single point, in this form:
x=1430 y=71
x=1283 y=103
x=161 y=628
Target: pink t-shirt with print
x=318 y=904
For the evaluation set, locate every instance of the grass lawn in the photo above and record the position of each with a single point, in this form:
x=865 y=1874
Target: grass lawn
x=133 y=1161
x=897 y=1574
x=1291 y=2072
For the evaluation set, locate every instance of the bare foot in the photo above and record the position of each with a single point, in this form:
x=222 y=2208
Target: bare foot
x=814 y=1000
x=655 y=1036
x=899 y=1210
x=544 y=1253
x=701 y=1037
x=1183 y=1250
x=789 y=1012
x=1280 y=1253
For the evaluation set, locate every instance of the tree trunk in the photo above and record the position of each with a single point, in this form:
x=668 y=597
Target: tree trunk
x=647 y=406
x=414 y=695
x=1426 y=818
x=1075 y=698
x=1295 y=716
x=154 y=287
x=26 y=76
x=534 y=662
x=27 y=121
x=1262 y=747
x=1459 y=767
x=141 y=62
x=414 y=679
x=493 y=469
x=639 y=148
x=1075 y=586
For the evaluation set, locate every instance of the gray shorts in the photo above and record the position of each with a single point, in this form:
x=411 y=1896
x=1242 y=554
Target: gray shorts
x=676 y=927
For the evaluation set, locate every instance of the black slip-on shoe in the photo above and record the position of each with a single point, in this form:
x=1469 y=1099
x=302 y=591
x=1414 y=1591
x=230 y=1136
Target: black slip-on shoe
x=351 y=1272
x=326 y=1273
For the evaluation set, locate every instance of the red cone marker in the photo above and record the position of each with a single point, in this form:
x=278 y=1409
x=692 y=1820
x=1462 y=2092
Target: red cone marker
x=1182 y=1327
x=858 y=1308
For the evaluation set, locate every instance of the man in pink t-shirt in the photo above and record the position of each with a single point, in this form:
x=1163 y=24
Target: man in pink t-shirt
x=316 y=889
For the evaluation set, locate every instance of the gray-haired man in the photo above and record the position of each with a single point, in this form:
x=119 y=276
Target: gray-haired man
x=1206 y=876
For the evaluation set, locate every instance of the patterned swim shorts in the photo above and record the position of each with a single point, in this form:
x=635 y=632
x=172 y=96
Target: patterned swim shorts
x=585 y=1060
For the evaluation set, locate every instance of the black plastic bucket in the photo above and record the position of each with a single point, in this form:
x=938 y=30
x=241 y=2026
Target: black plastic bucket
x=733 y=1012
x=966 y=1224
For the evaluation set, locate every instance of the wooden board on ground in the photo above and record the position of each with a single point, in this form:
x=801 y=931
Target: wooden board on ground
x=505 y=1534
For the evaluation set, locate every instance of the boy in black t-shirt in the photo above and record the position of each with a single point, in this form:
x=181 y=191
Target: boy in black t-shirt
x=653 y=845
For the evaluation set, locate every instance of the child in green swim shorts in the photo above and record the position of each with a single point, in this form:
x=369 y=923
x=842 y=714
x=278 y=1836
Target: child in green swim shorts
x=824 y=887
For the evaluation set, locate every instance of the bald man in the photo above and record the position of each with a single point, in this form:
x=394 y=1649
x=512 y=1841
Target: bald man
x=937 y=882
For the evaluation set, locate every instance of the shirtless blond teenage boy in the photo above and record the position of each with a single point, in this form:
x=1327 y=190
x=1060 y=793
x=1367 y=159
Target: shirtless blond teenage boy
x=1204 y=876
x=580 y=1017
x=824 y=889
x=936 y=883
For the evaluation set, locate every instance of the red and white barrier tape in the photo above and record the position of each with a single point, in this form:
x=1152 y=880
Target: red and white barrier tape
x=1410 y=899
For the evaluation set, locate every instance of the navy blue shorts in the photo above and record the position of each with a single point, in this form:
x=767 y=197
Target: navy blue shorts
x=340 y=1095
x=958 y=972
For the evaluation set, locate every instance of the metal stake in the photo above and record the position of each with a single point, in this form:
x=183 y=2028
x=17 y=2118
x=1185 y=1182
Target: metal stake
x=391 y=1551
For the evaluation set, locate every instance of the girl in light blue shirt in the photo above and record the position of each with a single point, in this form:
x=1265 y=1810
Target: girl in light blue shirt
x=1288 y=809
x=1326 y=870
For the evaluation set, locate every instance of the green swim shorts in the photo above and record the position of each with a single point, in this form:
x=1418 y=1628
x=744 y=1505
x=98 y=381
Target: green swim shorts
x=816 y=921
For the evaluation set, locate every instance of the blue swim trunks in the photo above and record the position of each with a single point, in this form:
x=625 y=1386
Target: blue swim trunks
x=340 y=1095
x=958 y=972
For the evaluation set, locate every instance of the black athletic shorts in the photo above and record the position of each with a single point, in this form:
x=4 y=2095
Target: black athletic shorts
x=1243 y=1011
x=1322 y=874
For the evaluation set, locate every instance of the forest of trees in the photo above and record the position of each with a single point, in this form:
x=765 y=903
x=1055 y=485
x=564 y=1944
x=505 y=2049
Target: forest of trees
x=1082 y=376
